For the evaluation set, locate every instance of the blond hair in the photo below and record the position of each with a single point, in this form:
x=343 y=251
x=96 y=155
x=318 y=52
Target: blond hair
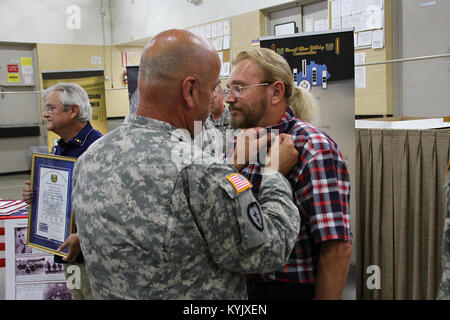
x=275 y=68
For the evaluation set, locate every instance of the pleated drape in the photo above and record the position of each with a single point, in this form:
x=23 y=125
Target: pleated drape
x=400 y=210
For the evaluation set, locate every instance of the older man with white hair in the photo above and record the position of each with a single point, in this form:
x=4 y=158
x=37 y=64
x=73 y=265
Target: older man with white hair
x=67 y=110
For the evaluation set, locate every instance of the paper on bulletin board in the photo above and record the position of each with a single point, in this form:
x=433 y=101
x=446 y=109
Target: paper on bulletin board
x=13 y=77
x=26 y=61
x=336 y=9
x=226 y=28
x=336 y=23
x=226 y=43
x=365 y=38
x=347 y=6
x=377 y=39
x=217 y=43
x=360 y=72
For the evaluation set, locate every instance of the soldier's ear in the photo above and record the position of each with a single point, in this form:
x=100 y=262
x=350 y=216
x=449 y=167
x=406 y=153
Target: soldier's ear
x=189 y=89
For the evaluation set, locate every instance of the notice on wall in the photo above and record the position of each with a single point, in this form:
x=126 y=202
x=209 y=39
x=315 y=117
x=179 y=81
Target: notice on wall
x=31 y=274
x=13 y=77
x=27 y=65
x=360 y=71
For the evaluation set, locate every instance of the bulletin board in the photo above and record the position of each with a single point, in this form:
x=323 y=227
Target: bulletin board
x=219 y=35
x=365 y=16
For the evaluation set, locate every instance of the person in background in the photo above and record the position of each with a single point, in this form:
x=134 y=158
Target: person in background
x=261 y=94
x=219 y=113
x=67 y=110
x=444 y=286
x=157 y=225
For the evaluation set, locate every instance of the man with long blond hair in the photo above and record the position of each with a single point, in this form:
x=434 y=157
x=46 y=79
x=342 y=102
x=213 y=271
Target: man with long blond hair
x=261 y=94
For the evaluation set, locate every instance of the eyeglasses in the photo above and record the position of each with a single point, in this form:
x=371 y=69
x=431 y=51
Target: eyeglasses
x=49 y=109
x=236 y=90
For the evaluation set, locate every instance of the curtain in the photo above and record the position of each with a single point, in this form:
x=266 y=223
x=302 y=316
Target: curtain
x=400 y=211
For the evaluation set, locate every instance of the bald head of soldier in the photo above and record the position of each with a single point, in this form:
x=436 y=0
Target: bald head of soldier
x=177 y=76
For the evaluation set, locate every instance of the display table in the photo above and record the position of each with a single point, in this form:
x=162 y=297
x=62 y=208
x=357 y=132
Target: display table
x=400 y=210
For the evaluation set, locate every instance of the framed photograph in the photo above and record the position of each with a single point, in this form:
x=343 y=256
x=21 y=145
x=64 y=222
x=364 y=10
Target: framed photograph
x=50 y=220
x=285 y=28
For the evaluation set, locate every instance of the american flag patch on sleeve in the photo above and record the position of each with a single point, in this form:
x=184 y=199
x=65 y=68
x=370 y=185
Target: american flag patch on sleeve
x=239 y=182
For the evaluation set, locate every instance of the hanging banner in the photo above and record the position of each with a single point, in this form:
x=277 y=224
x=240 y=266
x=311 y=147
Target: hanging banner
x=94 y=85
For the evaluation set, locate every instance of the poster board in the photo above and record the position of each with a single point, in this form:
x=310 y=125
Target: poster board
x=30 y=274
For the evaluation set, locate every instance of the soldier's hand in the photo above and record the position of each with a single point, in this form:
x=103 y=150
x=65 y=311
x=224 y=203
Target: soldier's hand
x=282 y=155
x=27 y=193
x=246 y=148
x=74 y=247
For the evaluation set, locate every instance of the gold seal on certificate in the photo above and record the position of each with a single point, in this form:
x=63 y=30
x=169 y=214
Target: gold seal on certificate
x=50 y=219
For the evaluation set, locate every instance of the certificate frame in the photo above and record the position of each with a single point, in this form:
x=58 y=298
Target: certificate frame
x=51 y=181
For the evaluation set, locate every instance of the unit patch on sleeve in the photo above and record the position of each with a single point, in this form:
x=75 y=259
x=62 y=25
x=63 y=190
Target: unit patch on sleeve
x=239 y=182
x=254 y=213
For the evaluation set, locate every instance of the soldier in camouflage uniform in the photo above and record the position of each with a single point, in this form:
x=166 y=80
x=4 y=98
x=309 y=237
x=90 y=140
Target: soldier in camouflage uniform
x=217 y=129
x=444 y=288
x=157 y=225
x=219 y=114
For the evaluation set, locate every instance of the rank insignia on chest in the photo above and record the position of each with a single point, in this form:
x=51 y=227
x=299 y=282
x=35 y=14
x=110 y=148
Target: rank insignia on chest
x=239 y=182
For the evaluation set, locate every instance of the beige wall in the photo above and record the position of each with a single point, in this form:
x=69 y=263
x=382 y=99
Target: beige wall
x=53 y=57
x=376 y=98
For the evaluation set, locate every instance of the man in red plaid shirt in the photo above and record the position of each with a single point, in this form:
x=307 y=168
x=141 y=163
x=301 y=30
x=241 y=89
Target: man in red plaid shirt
x=261 y=94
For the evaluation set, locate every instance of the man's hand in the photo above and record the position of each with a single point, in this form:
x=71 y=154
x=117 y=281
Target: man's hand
x=27 y=193
x=282 y=155
x=74 y=247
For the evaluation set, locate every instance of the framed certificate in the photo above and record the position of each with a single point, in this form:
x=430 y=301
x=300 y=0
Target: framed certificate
x=50 y=219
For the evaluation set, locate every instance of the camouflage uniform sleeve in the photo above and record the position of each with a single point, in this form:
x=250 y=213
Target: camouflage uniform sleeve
x=242 y=234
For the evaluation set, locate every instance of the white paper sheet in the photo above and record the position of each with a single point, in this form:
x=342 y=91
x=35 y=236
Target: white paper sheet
x=226 y=42
x=378 y=39
x=320 y=25
x=347 y=6
x=357 y=22
x=347 y=22
x=336 y=23
x=365 y=38
x=375 y=20
x=226 y=27
x=217 y=43
x=356 y=6
x=309 y=25
x=52 y=203
x=336 y=8
x=360 y=77
x=372 y=5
